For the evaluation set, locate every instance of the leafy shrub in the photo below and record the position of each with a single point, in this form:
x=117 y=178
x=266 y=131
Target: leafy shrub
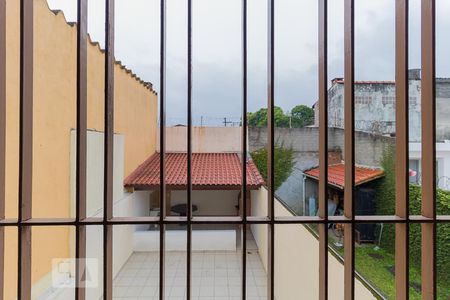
x=283 y=163
x=385 y=200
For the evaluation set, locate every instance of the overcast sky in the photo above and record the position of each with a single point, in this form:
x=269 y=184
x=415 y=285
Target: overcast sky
x=217 y=88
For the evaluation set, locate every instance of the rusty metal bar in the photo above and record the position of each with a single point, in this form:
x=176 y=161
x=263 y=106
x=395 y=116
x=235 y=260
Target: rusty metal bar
x=270 y=147
x=244 y=151
x=2 y=137
x=189 y=152
x=349 y=148
x=402 y=150
x=323 y=149
x=80 y=230
x=2 y=107
x=428 y=108
x=81 y=110
x=25 y=222
x=25 y=147
x=108 y=151
x=162 y=150
x=198 y=220
x=109 y=110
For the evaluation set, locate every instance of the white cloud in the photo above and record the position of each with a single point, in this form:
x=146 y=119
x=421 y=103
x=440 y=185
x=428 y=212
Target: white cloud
x=217 y=47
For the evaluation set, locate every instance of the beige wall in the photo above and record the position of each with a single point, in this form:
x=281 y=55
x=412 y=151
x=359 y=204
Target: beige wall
x=204 y=139
x=54 y=117
x=297 y=258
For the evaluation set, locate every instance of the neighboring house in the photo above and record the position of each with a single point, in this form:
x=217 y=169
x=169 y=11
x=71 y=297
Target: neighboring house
x=216 y=191
x=304 y=142
x=375 y=114
x=216 y=182
x=375 y=106
x=364 y=194
x=54 y=129
x=442 y=163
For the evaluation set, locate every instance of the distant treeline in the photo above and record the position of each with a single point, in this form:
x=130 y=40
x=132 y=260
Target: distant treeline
x=299 y=116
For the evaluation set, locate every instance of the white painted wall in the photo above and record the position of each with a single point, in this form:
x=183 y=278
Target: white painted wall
x=205 y=139
x=442 y=157
x=122 y=235
x=123 y=238
x=297 y=258
x=209 y=203
x=137 y=205
x=94 y=173
x=123 y=206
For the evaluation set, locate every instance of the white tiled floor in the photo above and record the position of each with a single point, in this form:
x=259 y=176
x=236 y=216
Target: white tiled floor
x=215 y=276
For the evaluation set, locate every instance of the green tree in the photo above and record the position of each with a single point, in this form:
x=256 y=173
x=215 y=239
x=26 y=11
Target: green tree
x=302 y=116
x=259 y=118
x=283 y=163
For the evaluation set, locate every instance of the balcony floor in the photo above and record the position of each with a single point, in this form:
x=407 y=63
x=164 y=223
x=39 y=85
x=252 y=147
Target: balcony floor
x=215 y=275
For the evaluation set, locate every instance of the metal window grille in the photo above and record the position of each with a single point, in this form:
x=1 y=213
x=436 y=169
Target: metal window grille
x=428 y=219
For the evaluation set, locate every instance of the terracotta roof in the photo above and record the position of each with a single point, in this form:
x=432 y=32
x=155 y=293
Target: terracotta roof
x=336 y=174
x=209 y=171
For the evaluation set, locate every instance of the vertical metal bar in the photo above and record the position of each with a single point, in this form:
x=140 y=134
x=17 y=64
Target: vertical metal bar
x=323 y=149
x=109 y=150
x=270 y=146
x=349 y=139
x=25 y=148
x=189 y=150
x=80 y=251
x=244 y=150
x=162 y=150
x=2 y=106
x=2 y=137
x=428 y=108
x=402 y=152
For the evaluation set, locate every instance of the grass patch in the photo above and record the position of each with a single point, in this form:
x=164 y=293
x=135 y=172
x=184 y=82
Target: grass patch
x=377 y=267
x=380 y=272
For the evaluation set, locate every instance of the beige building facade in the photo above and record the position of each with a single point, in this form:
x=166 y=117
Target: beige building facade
x=54 y=118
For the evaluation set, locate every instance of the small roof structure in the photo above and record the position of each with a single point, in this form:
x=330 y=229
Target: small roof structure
x=336 y=174
x=210 y=171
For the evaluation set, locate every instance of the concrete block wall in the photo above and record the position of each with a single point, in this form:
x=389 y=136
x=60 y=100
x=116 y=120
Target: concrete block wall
x=368 y=147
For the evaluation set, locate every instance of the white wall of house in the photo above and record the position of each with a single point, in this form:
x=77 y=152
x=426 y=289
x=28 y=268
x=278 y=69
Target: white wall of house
x=209 y=203
x=204 y=139
x=442 y=158
x=297 y=258
x=124 y=205
x=94 y=172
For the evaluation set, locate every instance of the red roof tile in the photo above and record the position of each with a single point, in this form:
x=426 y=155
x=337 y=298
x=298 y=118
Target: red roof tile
x=336 y=174
x=209 y=171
